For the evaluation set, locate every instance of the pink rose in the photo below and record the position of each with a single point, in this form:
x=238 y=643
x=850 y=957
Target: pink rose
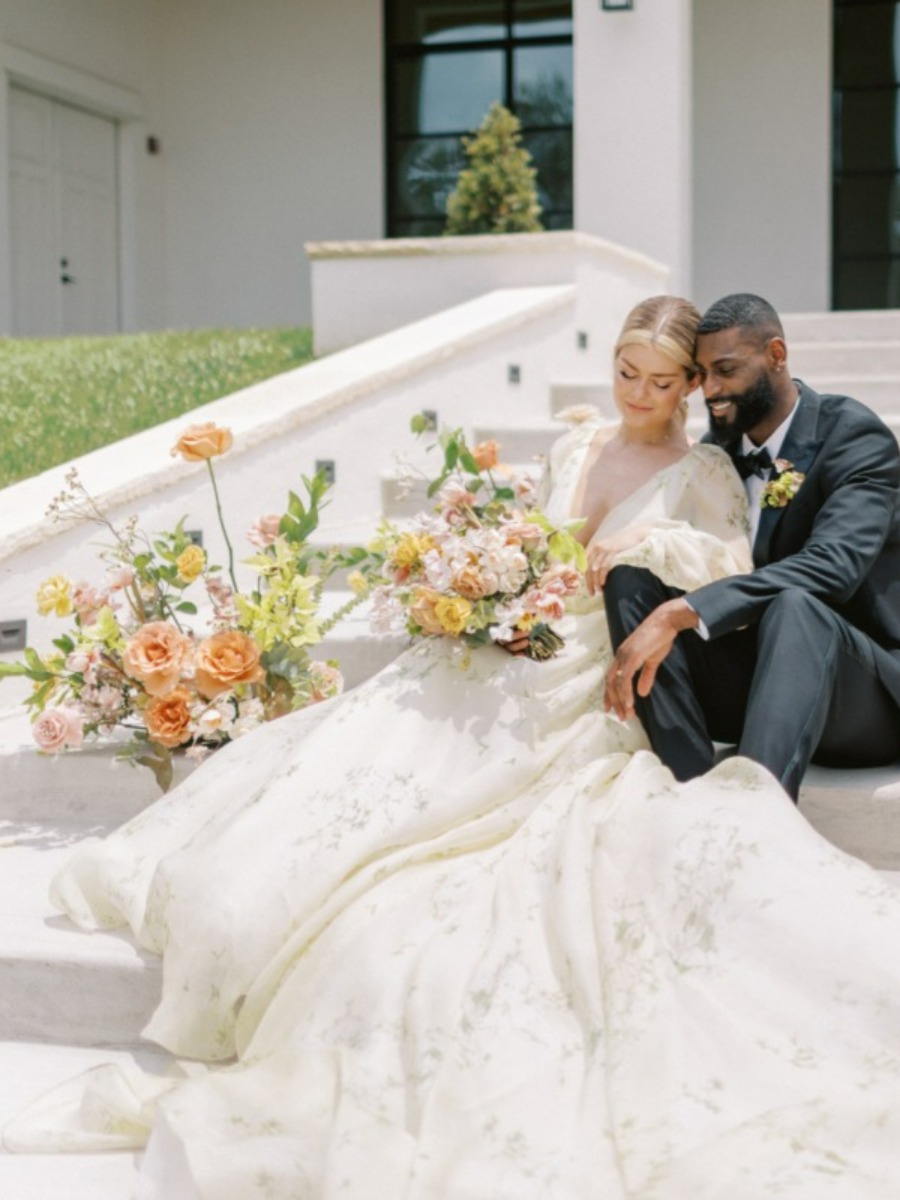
x=265 y=530
x=87 y=602
x=84 y=661
x=455 y=494
x=561 y=579
x=120 y=577
x=56 y=728
x=326 y=681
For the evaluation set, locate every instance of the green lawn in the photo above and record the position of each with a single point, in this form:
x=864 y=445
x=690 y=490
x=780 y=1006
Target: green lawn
x=62 y=397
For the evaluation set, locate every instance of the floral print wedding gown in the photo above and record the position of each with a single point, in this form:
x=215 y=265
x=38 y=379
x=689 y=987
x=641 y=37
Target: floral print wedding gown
x=458 y=935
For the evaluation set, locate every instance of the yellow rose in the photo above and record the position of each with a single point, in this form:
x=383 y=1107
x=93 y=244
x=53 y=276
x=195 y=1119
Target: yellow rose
x=357 y=583
x=155 y=656
x=190 y=563
x=55 y=596
x=199 y=442
x=225 y=660
x=453 y=613
x=410 y=548
x=168 y=718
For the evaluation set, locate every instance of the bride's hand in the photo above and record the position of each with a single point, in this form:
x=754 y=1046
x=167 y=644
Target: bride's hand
x=601 y=555
x=516 y=645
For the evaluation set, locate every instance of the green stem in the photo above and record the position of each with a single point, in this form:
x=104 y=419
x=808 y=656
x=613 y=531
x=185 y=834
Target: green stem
x=212 y=476
x=340 y=613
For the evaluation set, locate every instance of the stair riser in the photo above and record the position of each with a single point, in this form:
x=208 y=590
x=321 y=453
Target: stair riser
x=74 y=1004
x=875 y=326
x=520 y=445
x=847 y=361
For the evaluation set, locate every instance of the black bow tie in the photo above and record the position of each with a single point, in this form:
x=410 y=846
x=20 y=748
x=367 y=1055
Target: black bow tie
x=758 y=463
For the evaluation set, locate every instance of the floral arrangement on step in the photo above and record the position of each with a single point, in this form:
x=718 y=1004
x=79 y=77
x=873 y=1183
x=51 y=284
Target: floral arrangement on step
x=133 y=660
x=485 y=565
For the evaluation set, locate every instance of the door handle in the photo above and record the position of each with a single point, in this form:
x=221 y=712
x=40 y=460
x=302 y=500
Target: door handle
x=65 y=277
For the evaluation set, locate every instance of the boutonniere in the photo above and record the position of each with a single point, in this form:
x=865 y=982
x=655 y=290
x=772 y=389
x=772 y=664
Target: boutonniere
x=783 y=487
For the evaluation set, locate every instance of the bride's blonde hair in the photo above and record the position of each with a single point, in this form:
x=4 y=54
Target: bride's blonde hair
x=670 y=324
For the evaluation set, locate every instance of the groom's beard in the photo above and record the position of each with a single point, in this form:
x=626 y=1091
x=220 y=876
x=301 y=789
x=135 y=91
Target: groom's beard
x=750 y=408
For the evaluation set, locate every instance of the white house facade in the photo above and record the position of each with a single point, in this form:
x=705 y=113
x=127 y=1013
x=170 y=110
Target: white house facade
x=164 y=162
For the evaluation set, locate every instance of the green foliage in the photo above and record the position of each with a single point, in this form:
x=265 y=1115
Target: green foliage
x=61 y=397
x=496 y=192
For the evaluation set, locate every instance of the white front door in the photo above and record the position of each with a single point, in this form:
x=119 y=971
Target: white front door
x=64 y=218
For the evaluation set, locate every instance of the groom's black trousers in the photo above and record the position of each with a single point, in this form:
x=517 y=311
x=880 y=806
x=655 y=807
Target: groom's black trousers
x=799 y=685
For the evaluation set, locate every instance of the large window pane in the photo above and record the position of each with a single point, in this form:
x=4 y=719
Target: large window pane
x=867 y=215
x=868 y=284
x=868 y=130
x=552 y=155
x=446 y=63
x=866 y=46
x=447 y=93
x=543 y=85
x=433 y=22
x=425 y=174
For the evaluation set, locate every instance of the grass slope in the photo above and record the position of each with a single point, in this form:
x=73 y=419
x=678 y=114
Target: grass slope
x=61 y=397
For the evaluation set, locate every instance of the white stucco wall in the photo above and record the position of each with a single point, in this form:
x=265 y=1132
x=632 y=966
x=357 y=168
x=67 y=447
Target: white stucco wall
x=273 y=137
x=632 y=128
x=96 y=45
x=762 y=155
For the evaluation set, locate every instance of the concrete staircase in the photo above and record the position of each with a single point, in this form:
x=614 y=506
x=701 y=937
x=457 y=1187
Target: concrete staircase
x=70 y=1000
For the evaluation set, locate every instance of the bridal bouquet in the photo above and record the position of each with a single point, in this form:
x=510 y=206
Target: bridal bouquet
x=132 y=660
x=485 y=565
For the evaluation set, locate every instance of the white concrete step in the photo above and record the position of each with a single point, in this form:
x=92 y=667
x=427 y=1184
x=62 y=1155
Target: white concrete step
x=861 y=359
x=526 y=442
x=58 y=984
x=878 y=325
x=571 y=393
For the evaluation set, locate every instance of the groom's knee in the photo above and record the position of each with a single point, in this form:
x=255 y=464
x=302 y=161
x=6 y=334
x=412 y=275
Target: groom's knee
x=630 y=594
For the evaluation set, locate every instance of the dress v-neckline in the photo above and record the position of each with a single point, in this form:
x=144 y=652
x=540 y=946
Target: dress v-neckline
x=652 y=481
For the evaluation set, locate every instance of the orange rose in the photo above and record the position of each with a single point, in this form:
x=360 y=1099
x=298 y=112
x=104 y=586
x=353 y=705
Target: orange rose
x=225 y=660
x=422 y=611
x=470 y=582
x=168 y=718
x=156 y=655
x=199 y=442
x=485 y=455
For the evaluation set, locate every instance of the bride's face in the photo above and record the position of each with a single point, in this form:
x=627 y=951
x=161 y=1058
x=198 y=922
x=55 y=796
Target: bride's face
x=648 y=387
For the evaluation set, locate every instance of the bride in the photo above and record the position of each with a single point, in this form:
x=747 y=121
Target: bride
x=459 y=935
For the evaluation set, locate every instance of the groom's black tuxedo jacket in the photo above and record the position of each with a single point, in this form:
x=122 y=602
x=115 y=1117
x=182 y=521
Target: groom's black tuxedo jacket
x=838 y=539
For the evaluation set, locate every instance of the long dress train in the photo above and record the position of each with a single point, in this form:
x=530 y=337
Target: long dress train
x=467 y=938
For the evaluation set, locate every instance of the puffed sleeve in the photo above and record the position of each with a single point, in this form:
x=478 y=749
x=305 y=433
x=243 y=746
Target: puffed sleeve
x=705 y=536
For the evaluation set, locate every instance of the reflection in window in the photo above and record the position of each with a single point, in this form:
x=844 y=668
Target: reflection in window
x=446 y=63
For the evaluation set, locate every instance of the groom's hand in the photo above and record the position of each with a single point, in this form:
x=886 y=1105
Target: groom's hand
x=642 y=652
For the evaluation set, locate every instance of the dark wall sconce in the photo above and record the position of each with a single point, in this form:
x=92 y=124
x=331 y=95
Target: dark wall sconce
x=617 y=5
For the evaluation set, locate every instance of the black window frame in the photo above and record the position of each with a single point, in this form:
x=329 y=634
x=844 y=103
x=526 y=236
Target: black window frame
x=508 y=45
x=841 y=174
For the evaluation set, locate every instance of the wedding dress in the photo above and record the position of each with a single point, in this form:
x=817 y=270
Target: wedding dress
x=466 y=939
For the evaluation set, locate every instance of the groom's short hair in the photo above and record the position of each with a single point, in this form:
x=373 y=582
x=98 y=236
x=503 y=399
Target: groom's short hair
x=746 y=311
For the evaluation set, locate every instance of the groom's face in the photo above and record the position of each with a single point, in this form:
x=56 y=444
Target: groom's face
x=737 y=382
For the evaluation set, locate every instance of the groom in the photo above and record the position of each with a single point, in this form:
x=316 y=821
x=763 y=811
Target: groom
x=801 y=658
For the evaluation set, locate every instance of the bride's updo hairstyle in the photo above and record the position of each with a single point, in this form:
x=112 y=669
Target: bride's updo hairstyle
x=668 y=323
